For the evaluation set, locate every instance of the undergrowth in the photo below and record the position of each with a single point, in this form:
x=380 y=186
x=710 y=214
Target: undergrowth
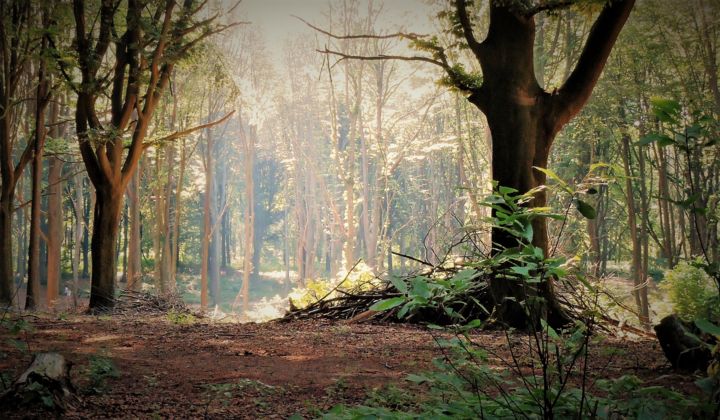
x=547 y=375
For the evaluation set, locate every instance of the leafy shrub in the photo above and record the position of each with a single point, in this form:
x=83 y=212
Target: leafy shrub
x=99 y=370
x=466 y=385
x=692 y=292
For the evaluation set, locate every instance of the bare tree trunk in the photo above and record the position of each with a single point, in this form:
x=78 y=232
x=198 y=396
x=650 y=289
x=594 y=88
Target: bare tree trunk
x=178 y=206
x=78 y=209
x=207 y=217
x=55 y=229
x=637 y=266
x=249 y=218
x=134 y=272
x=32 y=299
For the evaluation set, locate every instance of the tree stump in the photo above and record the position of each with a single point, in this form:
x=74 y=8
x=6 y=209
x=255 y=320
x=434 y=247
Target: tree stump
x=681 y=344
x=45 y=382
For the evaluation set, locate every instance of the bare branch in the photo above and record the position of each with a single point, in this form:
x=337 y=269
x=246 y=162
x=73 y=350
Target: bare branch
x=183 y=133
x=380 y=57
x=401 y=35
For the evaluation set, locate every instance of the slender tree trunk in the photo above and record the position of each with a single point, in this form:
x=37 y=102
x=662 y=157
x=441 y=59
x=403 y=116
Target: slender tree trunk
x=55 y=229
x=78 y=231
x=32 y=299
x=134 y=275
x=178 y=207
x=207 y=221
x=636 y=268
x=249 y=219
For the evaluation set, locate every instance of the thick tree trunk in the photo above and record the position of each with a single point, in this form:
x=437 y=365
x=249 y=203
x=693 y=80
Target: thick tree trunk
x=520 y=142
x=106 y=224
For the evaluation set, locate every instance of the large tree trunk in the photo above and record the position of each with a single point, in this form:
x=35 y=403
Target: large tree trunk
x=106 y=224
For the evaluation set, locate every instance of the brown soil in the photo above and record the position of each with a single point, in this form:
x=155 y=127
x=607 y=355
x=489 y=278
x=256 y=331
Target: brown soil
x=270 y=370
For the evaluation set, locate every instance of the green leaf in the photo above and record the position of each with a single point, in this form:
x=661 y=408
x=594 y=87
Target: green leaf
x=661 y=139
x=708 y=327
x=527 y=233
x=550 y=331
x=552 y=175
x=586 y=209
x=418 y=379
x=386 y=304
x=523 y=271
x=404 y=310
x=666 y=110
x=420 y=288
x=399 y=284
x=585 y=282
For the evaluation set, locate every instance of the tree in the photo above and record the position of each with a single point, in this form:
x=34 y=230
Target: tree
x=140 y=67
x=42 y=98
x=523 y=117
x=15 y=47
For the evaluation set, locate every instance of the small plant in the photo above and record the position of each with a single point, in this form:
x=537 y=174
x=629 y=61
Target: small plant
x=99 y=370
x=692 y=292
x=181 y=318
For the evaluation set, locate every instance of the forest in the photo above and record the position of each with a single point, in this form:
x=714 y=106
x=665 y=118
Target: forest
x=360 y=209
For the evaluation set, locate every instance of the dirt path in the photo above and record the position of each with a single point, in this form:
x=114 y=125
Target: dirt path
x=269 y=370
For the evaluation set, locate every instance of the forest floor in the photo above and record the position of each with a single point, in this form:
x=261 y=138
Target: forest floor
x=179 y=367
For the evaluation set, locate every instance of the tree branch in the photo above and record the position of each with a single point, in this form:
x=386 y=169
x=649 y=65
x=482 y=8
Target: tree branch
x=576 y=90
x=379 y=57
x=461 y=7
x=411 y=36
x=178 y=134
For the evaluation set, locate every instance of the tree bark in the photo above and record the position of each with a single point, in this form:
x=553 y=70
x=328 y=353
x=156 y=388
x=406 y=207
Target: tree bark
x=106 y=224
x=134 y=272
x=32 y=298
x=55 y=230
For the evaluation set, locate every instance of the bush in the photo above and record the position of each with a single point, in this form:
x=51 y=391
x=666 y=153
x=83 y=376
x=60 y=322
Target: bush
x=692 y=292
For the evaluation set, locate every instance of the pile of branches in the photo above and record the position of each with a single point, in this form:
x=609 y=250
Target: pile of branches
x=356 y=304
x=350 y=304
x=131 y=302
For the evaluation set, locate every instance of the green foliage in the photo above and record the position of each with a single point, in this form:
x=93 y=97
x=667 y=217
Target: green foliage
x=99 y=370
x=466 y=383
x=181 y=318
x=692 y=292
